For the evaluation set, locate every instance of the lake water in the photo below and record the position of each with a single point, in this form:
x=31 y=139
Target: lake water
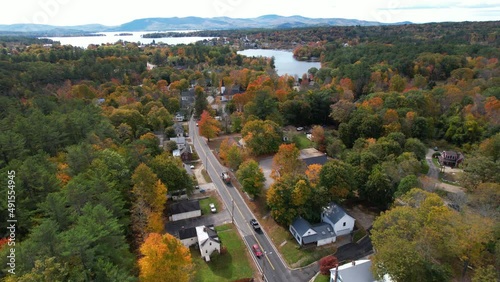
x=284 y=61
x=112 y=37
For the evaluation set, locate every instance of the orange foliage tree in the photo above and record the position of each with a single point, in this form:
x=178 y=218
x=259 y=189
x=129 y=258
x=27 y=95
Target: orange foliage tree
x=208 y=126
x=165 y=259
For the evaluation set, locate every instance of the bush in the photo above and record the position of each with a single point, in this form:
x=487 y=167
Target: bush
x=327 y=263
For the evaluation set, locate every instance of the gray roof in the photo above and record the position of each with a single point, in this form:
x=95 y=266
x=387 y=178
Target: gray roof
x=182 y=207
x=324 y=231
x=310 y=239
x=334 y=212
x=301 y=225
x=178 y=140
x=187 y=233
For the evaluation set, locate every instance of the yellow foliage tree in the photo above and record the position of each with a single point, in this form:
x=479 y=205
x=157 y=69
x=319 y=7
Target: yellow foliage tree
x=165 y=259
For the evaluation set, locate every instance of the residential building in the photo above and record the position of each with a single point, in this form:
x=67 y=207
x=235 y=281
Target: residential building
x=184 y=210
x=312 y=156
x=356 y=271
x=334 y=222
x=341 y=222
x=208 y=241
x=450 y=158
x=179 y=117
x=306 y=234
x=188 y=236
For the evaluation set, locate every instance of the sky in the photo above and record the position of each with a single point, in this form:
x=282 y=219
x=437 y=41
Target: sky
x=113 y=12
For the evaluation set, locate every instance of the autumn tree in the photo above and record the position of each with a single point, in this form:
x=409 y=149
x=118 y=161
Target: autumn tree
x=208 y=126
x=286 y=161
x=262 y=137
x=150 y=198
x=165 y=258
x=430 y=237
x=318 y=137
x=312 y=173
x=251 y=177
x=327 y=263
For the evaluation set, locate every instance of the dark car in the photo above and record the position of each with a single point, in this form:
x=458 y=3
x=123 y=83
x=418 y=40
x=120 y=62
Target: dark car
x=255 y=224
x=256 y=250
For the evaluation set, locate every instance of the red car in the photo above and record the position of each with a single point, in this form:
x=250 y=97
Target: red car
x=256 y=250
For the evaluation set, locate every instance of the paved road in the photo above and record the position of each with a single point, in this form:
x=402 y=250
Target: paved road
x=271 y=264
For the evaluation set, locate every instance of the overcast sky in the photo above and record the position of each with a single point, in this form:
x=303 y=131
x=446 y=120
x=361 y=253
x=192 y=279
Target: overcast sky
x=113 y=12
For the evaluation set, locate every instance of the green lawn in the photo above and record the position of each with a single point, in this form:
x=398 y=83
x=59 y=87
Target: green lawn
x=227 y=267
x=206 y=176
x=205 y=209
x=322 y=278
x=293 y=255
x=302 y=142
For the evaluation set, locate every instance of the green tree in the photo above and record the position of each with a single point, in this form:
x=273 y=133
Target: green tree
x=234 y=157
x=336 y=177
x=262 y=137
x=200 y=102
x=171 y=172
x=251 y=177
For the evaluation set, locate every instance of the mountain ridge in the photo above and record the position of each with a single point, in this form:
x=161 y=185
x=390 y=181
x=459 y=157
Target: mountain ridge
x=197 y=23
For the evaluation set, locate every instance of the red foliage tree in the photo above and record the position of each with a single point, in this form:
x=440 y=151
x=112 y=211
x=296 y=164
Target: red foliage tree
x=327 y=263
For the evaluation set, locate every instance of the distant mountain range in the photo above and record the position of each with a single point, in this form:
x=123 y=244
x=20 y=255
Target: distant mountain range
x=192 y=23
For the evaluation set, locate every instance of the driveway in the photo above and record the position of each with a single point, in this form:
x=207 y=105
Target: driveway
x=266 y=164
x=217 y=219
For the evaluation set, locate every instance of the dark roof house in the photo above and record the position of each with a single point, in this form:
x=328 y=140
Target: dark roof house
x=312 y=156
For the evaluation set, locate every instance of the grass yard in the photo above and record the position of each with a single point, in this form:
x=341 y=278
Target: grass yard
x=206 y=176
x=205 y=209
x=293 y=255
x=233 y=265
x=322 y=278
x=302 y=142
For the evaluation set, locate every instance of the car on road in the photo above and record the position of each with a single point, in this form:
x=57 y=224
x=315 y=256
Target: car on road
x=191 y=166
x=212 y=208
x=255 y=225
x=256 y=250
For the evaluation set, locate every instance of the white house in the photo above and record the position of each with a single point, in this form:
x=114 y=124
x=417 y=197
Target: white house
x=180 y=141
x=188 y=236
x=319 y=234
x=184 y=210
x=357 y=271
x=334 y=222
x=208 y=241
x=179 y=117
x=341 y=222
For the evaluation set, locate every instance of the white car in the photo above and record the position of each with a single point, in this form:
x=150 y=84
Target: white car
x=212 y=208
x=192 y=166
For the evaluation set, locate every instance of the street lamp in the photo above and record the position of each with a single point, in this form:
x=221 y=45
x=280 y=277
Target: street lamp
x=264 y=266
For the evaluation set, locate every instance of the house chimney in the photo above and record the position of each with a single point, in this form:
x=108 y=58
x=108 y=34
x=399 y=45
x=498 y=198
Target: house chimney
x=353 y=263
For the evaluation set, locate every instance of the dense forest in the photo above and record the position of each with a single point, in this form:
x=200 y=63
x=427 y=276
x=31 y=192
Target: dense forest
x=78 y=128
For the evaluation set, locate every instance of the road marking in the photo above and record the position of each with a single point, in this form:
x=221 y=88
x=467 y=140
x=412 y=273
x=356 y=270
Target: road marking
x=232 y=199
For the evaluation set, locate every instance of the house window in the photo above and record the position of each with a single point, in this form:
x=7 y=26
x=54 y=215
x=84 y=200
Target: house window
x=343 y=224
x=206 y=251
x=210 y=243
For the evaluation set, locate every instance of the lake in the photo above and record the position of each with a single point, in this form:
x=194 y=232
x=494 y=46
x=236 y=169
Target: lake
x=112 y=37
x=283 y=60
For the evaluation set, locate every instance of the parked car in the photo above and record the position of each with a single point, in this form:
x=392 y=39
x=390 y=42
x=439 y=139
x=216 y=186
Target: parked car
x=256 y=250
x=255 y=225
x=300 y=128
x=212 y=208
x=191 y=166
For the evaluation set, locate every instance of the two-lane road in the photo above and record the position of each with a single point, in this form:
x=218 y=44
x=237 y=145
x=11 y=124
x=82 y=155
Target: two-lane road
x=271 y=264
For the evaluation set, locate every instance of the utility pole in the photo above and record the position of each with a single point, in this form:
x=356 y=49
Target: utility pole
x=232 y=212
